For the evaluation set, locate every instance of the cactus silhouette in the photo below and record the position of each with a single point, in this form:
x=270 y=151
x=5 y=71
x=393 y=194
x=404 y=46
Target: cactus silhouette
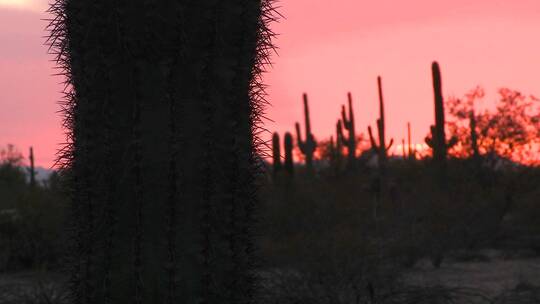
x=437 y=141
x=31 y=169
x=381 y=148
x=348 y=124
x=288 y=164
x=276 y=154
x=162 y=107
x=307 y=146
x=412 y=152
x=337 y=148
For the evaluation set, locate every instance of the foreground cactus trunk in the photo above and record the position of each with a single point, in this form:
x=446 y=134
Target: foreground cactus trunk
x=162 y=110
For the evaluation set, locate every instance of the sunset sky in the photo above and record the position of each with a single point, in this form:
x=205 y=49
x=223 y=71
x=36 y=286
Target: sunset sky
x=326 y=48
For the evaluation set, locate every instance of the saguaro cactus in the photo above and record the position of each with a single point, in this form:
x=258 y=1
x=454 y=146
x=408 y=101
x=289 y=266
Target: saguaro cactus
x=437 y=141
x=348 y=124
x=339 y=142
x=276 y=154
x=381 y=148
x=412 y=151
x=289 y=165
x=162 y=108
x=32 y=170
x=307 y=146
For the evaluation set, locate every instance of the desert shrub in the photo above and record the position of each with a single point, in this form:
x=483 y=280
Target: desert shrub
x=31 y=228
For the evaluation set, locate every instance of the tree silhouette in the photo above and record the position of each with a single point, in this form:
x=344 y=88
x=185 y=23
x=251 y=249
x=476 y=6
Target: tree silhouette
x=510 y=130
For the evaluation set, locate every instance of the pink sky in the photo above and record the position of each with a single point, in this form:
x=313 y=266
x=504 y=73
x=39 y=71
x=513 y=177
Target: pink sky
x=325 y=49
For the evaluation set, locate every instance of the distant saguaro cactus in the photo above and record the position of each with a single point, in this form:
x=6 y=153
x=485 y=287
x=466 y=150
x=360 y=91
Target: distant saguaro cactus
x=381 y=148
x=437 y=141
x=276 y=154
x=339 y=142
x=288 y=164
x=31 y=169
x=412 y=151
x=350 y=140
x=162 y=108
x=307 y=146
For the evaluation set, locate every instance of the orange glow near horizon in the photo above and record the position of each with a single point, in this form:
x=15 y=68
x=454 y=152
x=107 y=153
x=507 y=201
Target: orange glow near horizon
x=327 y=51
x=324 y=50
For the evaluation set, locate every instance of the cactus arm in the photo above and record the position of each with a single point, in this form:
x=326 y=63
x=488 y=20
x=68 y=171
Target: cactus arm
x=288 y=164
x=301 y=144
x=339 y=131
x=409 y=139
x=344 y=117
x=429 y=140
x=351 y=114
x=342 y=136
x=372 y=139
x=306 y=115
x=390 y=144
x=348 y=123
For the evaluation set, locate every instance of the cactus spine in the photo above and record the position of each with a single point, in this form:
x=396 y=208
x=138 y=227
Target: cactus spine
x=288 y=164
x=348 y=124
x=307 y=146
x=162 y=108
x=381 y=148
x=32 y=169
x=276 y=154
x=437 y=141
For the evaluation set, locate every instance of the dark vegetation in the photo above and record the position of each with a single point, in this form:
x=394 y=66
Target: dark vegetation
x=342 y=232
x=350 y=230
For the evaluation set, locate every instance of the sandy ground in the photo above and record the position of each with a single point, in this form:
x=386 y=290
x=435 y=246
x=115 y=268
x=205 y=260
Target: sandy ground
x=490 y=272
x=493 y=273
